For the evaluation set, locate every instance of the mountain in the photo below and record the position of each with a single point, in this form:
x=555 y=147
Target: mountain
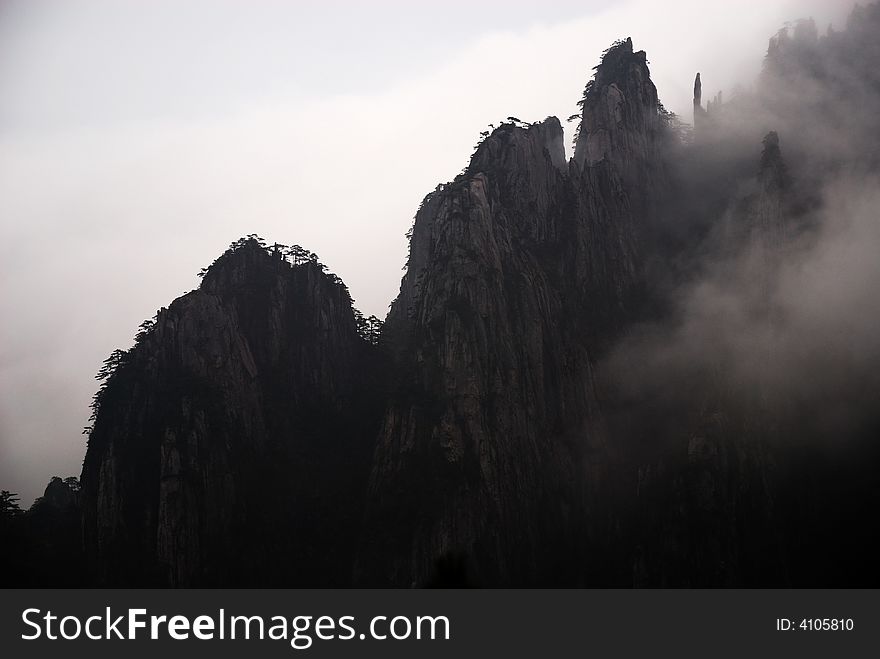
x=653 y=364
x=230 y=446
x=493 y=451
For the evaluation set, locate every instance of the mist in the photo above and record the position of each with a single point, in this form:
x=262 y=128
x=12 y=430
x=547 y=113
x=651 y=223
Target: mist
x=804 y=327
x=775 y=310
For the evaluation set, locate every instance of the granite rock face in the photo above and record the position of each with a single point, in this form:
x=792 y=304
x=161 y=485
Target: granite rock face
x=620 y=122
x=246 y=398
x=519 y=268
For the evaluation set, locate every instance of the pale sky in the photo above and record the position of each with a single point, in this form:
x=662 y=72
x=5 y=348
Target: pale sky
x=139 y=138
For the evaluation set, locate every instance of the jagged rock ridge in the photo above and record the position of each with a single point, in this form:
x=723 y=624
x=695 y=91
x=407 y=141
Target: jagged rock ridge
x=518 y=269
x=484 y=436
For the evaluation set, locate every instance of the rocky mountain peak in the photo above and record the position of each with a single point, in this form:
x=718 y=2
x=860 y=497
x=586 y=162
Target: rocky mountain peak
x=700 y=113
x=242 y=397
x=512 y=145
x=620 y=119
x=242 y=260
x=59 y=495
x=773 y=173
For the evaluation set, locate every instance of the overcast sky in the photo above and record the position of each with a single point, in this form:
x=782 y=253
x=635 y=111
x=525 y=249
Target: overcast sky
x=138 y=139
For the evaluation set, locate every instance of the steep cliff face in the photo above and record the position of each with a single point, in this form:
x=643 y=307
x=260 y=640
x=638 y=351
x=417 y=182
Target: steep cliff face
x=620 y=178
x=464 y=467
x=619 y=120
x=494 y=448
x=215 y=434
x=769 y=218
x=621 y=125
